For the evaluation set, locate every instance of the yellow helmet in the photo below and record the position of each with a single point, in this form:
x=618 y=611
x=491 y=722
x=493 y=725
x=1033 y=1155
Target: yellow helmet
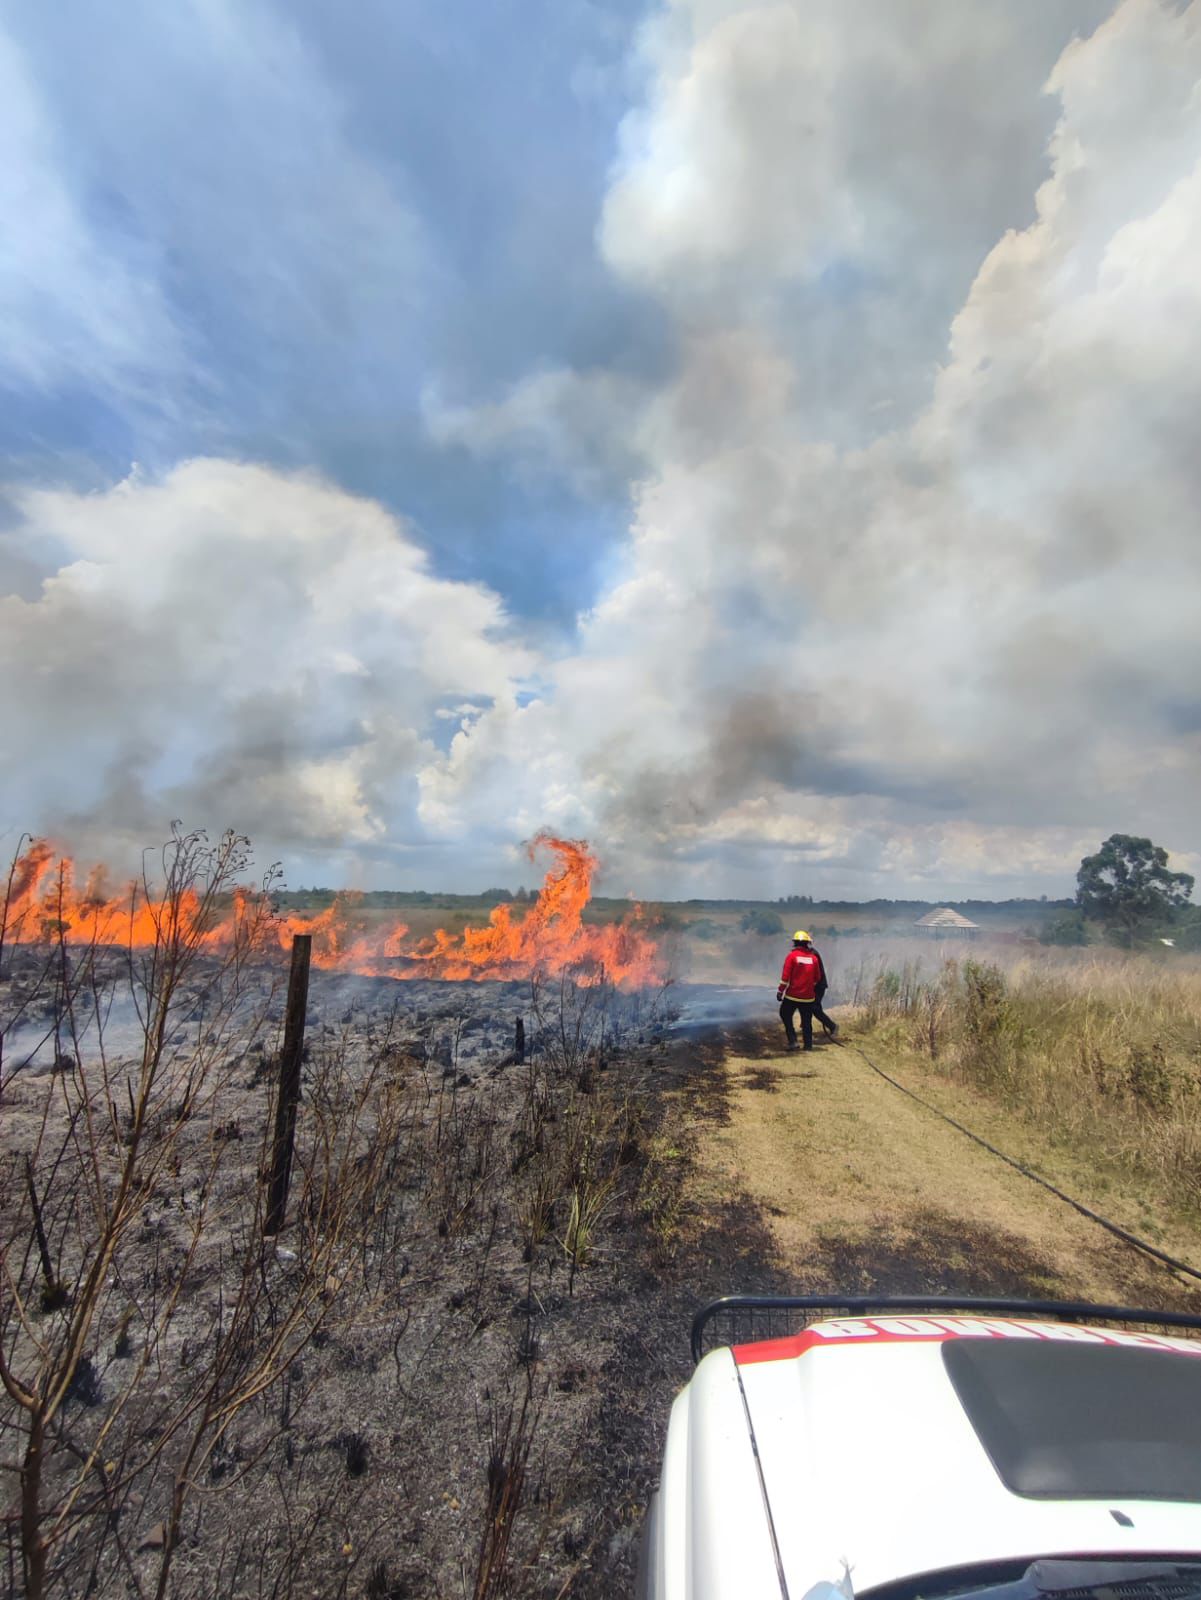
x=801 y=937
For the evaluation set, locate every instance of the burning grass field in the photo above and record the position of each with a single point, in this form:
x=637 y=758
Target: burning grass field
x=548 y=936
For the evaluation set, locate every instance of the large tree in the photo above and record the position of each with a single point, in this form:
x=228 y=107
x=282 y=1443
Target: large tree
x=1128 y=887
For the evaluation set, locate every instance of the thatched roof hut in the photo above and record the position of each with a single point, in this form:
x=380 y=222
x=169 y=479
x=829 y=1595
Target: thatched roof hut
x=944 y=923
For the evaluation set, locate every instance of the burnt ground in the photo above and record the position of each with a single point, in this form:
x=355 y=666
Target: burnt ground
x=463 y=1339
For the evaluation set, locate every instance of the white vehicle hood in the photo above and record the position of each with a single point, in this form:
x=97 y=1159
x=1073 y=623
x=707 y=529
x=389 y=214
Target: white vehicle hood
x=871 y=1469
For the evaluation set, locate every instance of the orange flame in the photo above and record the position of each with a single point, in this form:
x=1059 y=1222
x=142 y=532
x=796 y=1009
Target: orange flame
x=551 y=938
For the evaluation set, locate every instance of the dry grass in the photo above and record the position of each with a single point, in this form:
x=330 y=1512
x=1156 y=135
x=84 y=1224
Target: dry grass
x=1101 y=1051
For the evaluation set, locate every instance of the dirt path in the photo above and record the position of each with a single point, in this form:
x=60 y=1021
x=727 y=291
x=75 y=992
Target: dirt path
x=864 y=1191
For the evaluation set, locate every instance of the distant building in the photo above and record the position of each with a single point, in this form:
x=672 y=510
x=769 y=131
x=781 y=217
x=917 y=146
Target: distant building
x=943 y=923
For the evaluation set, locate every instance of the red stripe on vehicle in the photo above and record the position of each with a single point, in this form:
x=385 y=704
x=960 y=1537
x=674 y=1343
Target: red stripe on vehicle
x=933 y=1330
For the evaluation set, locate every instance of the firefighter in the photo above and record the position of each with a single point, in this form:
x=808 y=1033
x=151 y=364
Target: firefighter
x=802 y=987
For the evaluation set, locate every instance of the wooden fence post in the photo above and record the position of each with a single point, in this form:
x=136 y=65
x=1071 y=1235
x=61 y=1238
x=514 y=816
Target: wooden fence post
x=288 y=1093
x=519 y=1041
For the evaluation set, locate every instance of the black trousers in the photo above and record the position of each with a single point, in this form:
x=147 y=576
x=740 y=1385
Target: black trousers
x=788 y=1009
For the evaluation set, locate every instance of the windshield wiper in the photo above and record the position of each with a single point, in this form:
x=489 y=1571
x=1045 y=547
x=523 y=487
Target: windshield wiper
x=1054 y=1578
x=1099 y=1580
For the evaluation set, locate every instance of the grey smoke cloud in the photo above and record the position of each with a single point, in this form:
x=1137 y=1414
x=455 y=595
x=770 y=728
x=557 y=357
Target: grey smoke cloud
x=976 y=614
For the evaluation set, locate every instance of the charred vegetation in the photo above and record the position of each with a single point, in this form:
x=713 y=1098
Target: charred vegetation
x=389 y=1390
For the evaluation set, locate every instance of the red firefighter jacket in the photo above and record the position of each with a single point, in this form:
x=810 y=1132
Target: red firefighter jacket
x=802 y=973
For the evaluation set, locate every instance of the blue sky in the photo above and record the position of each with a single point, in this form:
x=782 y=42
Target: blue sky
x=726 y=429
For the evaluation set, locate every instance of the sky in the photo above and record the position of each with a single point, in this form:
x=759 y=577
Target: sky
x=758 y=436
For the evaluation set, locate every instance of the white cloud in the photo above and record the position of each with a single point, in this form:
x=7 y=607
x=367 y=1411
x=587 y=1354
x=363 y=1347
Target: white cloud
x=581 y=427
x=239 y=647
x=696 y=193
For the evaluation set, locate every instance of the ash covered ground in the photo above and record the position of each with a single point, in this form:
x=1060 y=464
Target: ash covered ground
x=485 y=1276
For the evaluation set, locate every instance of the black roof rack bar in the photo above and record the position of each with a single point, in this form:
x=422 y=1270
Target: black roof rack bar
x=865 y=1305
